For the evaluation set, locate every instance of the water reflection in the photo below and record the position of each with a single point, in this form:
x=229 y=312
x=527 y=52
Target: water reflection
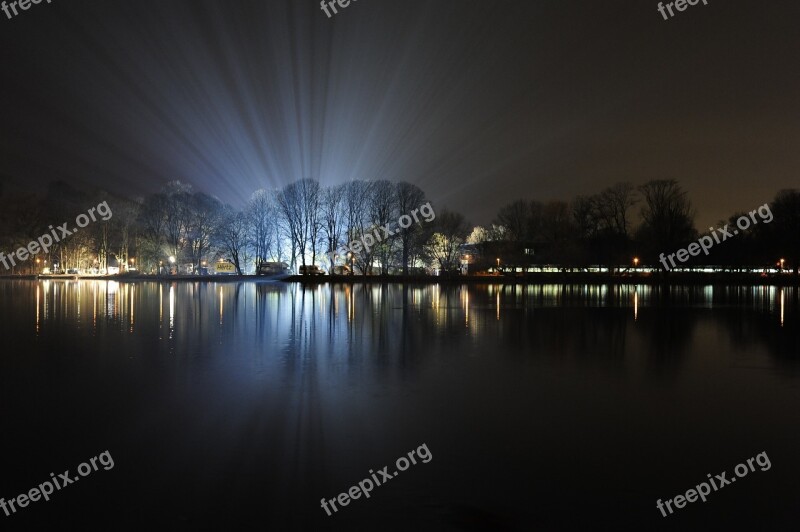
x=586 y=318
x=288 y=392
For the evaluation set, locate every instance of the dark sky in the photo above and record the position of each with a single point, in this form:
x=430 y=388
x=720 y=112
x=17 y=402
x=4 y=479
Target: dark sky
x=478 y=102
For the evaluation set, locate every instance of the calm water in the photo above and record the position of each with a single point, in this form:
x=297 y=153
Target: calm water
x=232 y=406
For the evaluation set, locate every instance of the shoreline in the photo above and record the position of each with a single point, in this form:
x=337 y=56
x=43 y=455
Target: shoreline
x=671 y=279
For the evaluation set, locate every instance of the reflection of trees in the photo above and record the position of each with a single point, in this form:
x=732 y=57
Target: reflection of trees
x=760 y=323
x=668 y=332
x=392 y=327
x=273 y=300
x=569 y=322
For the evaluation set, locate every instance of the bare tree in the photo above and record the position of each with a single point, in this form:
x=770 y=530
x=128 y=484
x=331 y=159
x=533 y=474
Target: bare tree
x=333 y=218
x=557 y=224
x=261 y=216
x=667 y=215
x=202 y=221
x=584 y=214
x=124 y=227
x=409 y=197
x=233 y=234
x=288 y=202
x=604 y=221
x=383 y=212
x=356 y=218
x=522 y=221
x=613 y=205
x=151 y=222
x=176 y=221
x=515 y=219
x=298 y=205
x=311 y=203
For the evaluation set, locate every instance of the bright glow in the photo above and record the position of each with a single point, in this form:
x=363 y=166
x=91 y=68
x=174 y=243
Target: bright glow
x=171 y=310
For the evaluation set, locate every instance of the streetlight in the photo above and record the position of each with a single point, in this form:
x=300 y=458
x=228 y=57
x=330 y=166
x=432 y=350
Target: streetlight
x=498 y=265
x=782 y=261
x=635 y=262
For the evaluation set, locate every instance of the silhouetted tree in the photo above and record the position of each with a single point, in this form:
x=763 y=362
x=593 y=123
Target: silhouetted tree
x=383 y=212
x=785 y=227
x=203 y=217
x=261 y=214
x=667 y=217
x=298 y=205
x=232 y=234
x=409 y=197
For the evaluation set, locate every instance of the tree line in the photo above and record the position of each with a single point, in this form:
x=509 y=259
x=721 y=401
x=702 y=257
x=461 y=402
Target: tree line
x=301 y=223
x=623 y=221
x=298 y=224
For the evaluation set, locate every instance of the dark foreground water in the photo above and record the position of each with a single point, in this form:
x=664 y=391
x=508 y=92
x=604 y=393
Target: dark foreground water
x=240 y=406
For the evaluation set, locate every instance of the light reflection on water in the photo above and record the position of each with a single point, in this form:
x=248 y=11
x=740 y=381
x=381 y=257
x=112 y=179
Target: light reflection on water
x=513 y=316
x=116 y=303
x=554 y=393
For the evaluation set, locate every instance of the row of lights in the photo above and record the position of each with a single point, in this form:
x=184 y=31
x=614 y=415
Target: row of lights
x=635 y=261
x=352 y=260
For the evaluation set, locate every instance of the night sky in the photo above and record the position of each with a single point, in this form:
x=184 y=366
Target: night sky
x=477 y=102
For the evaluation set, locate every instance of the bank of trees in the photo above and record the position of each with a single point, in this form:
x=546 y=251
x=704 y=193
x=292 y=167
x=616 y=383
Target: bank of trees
x=303 y=222
x=184 y=228
x=623 y=221
x=26 y=216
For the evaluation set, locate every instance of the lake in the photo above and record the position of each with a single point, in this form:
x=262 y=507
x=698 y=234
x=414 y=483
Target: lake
x=555 y=407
